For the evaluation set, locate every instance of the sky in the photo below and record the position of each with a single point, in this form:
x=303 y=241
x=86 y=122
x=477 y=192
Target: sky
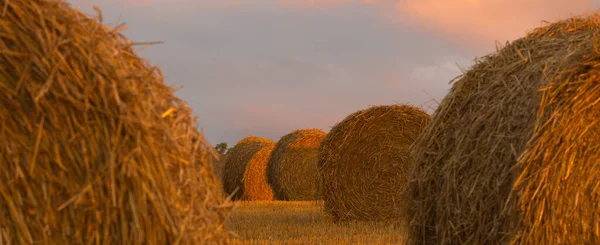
x=268 y=67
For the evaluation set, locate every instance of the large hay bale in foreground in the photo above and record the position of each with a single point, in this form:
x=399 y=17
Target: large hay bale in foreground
x=364 y=161
x=95 y=148
x=512 y=153
x=292 y=168
x=248 y=151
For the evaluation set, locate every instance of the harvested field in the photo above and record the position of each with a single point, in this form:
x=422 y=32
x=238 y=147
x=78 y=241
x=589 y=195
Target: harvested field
x=364 y=161
x=302 y=222
x=512 y=153
x=96 y=148
x=292 y=169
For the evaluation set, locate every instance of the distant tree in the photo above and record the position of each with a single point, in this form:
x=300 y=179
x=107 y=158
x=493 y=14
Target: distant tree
x=221 y=148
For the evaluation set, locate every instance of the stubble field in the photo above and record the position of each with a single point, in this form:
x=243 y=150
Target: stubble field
x=283 y=222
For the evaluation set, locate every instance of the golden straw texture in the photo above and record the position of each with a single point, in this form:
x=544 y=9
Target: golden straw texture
x=512 y=153
x=95 y=148
x=364 y=161
x=243 y=153
x=256 y=187
x=292 y=168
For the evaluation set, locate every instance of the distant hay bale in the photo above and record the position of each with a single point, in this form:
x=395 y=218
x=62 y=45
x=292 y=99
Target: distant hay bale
x=364 y=161
x=253 y=151
x=254 y=181
x=512 y=152
x=95 y=147
x=292 y=169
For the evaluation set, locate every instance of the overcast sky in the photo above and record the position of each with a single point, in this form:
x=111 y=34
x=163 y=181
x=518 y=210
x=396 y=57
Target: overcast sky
x=268 y=67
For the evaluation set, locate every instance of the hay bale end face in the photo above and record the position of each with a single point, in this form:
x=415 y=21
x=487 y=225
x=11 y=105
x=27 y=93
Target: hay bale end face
x=512 y=153
x=292 y=169
x=364 y=161
x=255 y=183
x=250 y=152
x=95 y=146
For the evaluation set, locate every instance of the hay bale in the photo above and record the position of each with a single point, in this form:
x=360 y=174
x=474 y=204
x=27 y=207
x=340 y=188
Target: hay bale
x=250 y=153
x=512 y=153
x=96 y=149
x=364 y=161
x=292 y=168
x=254 y=181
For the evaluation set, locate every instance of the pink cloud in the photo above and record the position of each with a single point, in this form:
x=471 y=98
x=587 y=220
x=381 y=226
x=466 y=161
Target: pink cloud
x=325 y=3
x=238 y=3
x=481 y=22
x=315 y=2
x=192 y=4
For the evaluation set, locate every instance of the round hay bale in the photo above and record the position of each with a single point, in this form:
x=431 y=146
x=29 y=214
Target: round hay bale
x=512 y=153
x=292 y=168
x=254 y=181
x=364 y=161
x=96 y=148
x=248 y=151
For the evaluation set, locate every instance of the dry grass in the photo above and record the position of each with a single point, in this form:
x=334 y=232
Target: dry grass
x=292 y=169
x=302 y=222
x=512 y=153
x=364 y=161
x=96 y=148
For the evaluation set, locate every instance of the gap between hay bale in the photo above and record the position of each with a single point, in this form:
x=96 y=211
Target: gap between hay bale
x=364 y=161
x=292 y=169
x=218 y=163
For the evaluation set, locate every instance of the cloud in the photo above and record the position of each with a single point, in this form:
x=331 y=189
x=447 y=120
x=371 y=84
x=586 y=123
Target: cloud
x=443 y=67
x=477 y=23
x=274 y=121
x=266 y=68
x=248 y=4
x=203 y=3
x=481 y=22
x=233 y=4
x=315 y=3
x=327 y=3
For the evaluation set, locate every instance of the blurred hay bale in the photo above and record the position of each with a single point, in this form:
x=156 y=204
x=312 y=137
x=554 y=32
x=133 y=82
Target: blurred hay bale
x=96 y=149
x=250 y=150
x=292 y=168
x=364 y=161
x=512 y=153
